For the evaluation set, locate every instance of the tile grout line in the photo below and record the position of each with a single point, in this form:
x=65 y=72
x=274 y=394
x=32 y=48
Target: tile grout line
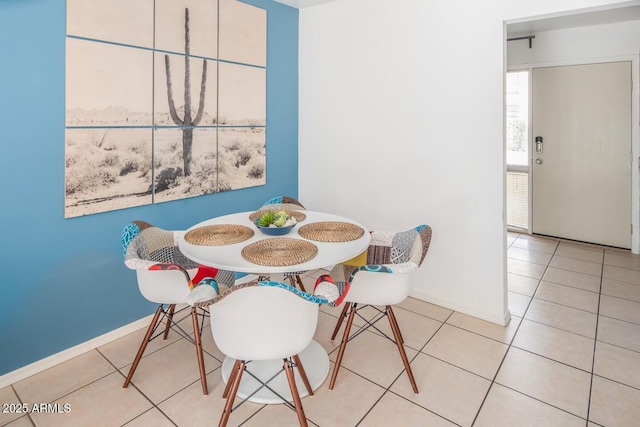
x=493 y=381
x=595 y=343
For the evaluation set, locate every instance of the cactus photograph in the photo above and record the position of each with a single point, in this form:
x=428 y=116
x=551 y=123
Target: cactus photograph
x=173 y=113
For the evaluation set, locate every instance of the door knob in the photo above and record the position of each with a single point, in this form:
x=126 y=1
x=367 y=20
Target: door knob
x=538 y=161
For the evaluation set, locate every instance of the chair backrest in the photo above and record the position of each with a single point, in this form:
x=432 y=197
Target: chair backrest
x=284 y=203
x=163 y=272
x=384 y=280
x=263 y=320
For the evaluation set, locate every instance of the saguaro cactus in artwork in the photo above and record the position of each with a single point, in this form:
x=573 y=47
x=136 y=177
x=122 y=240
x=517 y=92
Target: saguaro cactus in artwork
x=187 y=123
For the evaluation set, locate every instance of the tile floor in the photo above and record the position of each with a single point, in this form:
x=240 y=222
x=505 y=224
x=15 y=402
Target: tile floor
x=569 y=357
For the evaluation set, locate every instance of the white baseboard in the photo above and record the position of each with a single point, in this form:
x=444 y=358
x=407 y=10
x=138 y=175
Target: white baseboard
x=68 y=354
x=501 y=319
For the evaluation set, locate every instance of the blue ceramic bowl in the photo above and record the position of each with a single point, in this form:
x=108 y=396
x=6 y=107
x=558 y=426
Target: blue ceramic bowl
x=275 y=231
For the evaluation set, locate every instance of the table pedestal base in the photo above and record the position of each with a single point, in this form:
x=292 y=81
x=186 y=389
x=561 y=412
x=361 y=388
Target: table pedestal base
x=314 y=359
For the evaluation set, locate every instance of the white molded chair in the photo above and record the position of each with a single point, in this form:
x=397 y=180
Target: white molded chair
x=385 y=280
x=252 y=322
x=166 y=277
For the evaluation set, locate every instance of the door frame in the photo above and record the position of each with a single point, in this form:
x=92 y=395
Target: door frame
x=635 y=132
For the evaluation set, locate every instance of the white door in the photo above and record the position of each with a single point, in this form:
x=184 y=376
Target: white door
x=581 y=169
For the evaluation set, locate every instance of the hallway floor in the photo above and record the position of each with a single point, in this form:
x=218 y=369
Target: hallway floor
x=569 y=357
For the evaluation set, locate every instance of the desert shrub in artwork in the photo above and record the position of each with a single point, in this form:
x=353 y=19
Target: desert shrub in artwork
x=256 y=171
x=167 y=178
x=242 y=158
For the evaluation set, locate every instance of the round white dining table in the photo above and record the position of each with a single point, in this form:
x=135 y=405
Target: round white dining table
x=229 y=257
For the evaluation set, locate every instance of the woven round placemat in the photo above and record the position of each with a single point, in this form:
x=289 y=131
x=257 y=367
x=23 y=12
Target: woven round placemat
x=218 y=235
x=279 y=252
x=299 y=216
x=331 y=231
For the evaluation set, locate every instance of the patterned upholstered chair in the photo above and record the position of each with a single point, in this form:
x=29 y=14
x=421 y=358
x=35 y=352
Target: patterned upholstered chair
x=286 y=203
x=383 y=279
x=252 y=322
x=166 y=277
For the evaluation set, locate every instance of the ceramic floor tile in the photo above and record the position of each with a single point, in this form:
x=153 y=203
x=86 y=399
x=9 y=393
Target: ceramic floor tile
x=488 y=329
x=511 y=238
x=620 y=309
x=566 y=295
x=426 y=309
x=621 y=274
x=122 y=351
x=190 y=407
x=20 y=422
x=581 y=252
x=507 y=408
x=523 y=268
x=574 y=279
x=522 y=284
x=15 y=409
x=571 y=264
x=556 y=344
x=373 y=357
x=153 y=417
x=617 y=364
x=614 y=404
x=621 y=290
x=623 y=261
x=467 y=350
x=551 y=382
x=562 y=317
x=535 y=244
x=619 y=251
x=119 y=405
x=209 y=345
x=620 y=333
x=64 y=378
x=446 y=390
x=415 y=328
x=324 y=329
x=276 y=415
x=527 y=255
x=518 y=303
x=395 y=410
x=345 y=405
x=169 y=370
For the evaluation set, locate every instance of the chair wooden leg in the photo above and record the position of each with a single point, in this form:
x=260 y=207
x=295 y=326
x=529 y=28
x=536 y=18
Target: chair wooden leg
x=231 y=379
x=143 y=346
x=340 y=320
x=198 y=340
x=302 y=419
x=343 y=345
x=234 y=390
x=392 y=314
x=396 y=333
x=172 y=309
x=303 y=374
x=300 y=284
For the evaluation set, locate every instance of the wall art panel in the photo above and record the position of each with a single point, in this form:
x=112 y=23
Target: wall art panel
x=120 y=21
x=243 y=33
x=143 y=87
x=107 y=169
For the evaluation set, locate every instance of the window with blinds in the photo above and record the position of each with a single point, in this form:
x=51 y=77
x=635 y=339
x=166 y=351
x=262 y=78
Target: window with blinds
x=517 y=122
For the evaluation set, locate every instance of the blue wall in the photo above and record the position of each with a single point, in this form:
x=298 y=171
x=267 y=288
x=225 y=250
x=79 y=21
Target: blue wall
x=63 y=281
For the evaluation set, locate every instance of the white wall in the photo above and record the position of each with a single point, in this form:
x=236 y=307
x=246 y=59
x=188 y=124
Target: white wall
x=401 y=122
x=584 y=45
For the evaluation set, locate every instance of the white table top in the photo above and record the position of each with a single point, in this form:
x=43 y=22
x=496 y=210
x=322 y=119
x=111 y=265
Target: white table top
x=229 y=257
